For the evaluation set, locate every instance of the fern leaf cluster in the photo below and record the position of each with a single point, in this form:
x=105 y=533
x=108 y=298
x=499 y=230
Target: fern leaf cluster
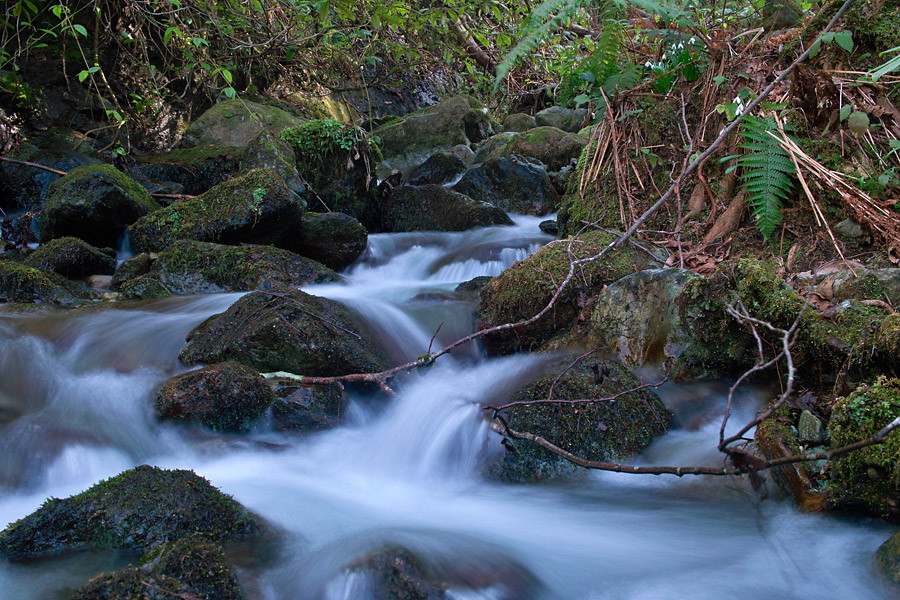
x=768 y=172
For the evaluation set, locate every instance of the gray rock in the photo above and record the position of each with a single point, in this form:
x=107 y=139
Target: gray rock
x=566 y=119
x=809 y=429
x=513 y=184
x=519 y=122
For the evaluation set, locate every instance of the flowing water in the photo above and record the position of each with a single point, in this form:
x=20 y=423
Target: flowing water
x=75 y=407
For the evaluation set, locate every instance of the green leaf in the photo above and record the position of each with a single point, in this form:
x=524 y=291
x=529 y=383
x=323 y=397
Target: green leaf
x=845 y=111
x=82 y=75
x=814 y=49
x=171 y=31
x=858 y=122
x=844 y=39
x=229 y=92
x=226 y=74
x=720 y=79
x=80 y=29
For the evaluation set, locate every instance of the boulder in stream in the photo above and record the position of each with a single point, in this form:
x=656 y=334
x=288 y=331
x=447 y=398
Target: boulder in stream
x=20 y=283
x=600 y=429
x=72 y=258
x=550 y=145
x=307 y=407
x=436 y=208
x=95 y=203
x=294 y=332
x=887 y=559
x=255 y=208
x=334 y=239
x=223 y=397
x=440 y=168
x=512 y=183
x=135 y=510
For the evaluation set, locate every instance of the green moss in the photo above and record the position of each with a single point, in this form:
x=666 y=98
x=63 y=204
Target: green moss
x=86 y=177
x=550 y=145
x=188 y=156
x=20 y=283
x=868 y=478
x=72 y=257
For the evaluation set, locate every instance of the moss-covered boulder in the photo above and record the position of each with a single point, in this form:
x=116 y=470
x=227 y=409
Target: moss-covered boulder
x=135 y=510
x=604 y=430
x=131 y=268
x=511 y=183
x=550 y=145
x=194 y=170
x=190 y=567
x=518 y=122
x=338 y=161
x=527 y=287
x=235 y=122
x=293 y=332
x=307 y=407
x=440 y=168
x=72 y=258
x=437 y=208
x=567 y=119
x=868 y=479
x=410 y=140
x=95 y=203
x=334 y=239
x=20 y=283
x=144 y=287
x=189 y=267
x=23 y=186
x=256 y=208
x=268 y=151
x=887 y=559
x=395 y=572
x=223 y=397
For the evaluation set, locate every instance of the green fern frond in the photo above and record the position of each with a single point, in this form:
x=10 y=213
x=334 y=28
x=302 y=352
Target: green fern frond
x=768 y=172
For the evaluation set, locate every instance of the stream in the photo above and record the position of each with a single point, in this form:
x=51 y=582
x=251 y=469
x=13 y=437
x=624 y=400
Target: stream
x=76 y=393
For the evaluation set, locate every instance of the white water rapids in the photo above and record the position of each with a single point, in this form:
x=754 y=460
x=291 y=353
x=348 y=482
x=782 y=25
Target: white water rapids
x=76 y=395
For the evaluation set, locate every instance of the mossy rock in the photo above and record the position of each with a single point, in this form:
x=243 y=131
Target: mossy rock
x=868 y=284
x=256 y=208
x=191 y=567
x=440 y=168
x=567 y=119
x=269 y=151
x=550 y=145
x=135 y=510
x=22 y=186
x=189 y=267
x=606 y=431
x=307 y=407
x=334 y=239
x=887 y=559
x=130 y=269
x=293 y=332
x=436 y=208
x=511 y=183
x=409 y=140
x=223 y=397
x=95 y=203
x=875 y=25
x=492 y=145
x=145 y=287
x=527 y=287
x=20 y=283
x=195 y=170
x=72 y=258
x=338 y=162
x=235 y=122
x=597 y=203
x=869 y=478
x=518 y=122
x=395 y=572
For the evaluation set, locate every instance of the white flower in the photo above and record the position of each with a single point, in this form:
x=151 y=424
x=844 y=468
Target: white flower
x=692 y=41
x=648 y=64
x=664 y=57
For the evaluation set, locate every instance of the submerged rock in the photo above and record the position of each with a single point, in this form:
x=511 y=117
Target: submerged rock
x=72 y=258
x=255 y=208
x=135 y=510
x=606 y=430
x=436 y=208
x=95 y=203
x=512 y=184
x=334 y=239
x=223 y=397
x=190 y=267
x=395 y=572
x=191 y=567
x=293 y=332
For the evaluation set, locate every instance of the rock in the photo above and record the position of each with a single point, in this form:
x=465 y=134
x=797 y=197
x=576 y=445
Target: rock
x=608 y=431
x=551 y=146
x=235 y=122
x=268 y=151
x=527 y=286
x=887 y=559
x=130 y=269
x=334 y=239
x=308 y=407
x=550 y=227
x=474 y=285
x=867 y=478
x=190 y=567
x=409 y=140
x=189 y=267
x=255 y=208
x=636 y=317
x=493 y=144
x=338 y=162
x=293 y=332
x=512 y=184
x=867 y=284
x=95 y=203
x=440 y=168
x=566 y=119
x=850 y=229
x=22 y=186
x=436 y=208
x=19 y=283
x=193 y=170
x=809 y=429
x=223 y=397
x=519 y=122
x=396 y=573
x=144 y=287
x=135 y=510
x=72 y=258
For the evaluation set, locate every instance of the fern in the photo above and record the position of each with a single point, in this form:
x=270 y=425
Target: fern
x=767 y=172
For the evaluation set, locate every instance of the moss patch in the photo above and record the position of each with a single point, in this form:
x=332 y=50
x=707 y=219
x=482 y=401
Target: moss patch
x=72 y=258
x=20 y=283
